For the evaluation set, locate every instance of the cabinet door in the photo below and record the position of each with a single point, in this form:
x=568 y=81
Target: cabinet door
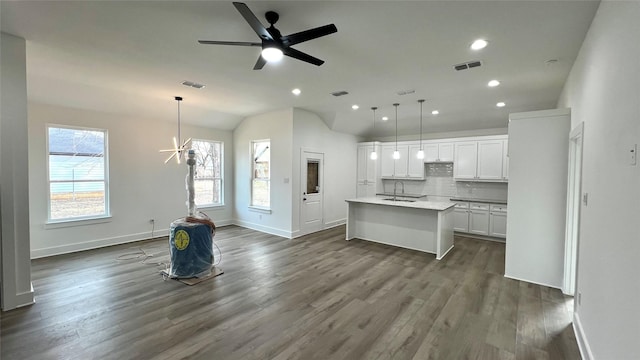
x=490 y=160
x=479 y=222
x=430 y=152
x=505 y=160
x=461 y=220
x=362 y=164
x=402 y=164
x=466 y=160
x=445 y=152
x=415 y=166
x=386 y=161
x=498 y=224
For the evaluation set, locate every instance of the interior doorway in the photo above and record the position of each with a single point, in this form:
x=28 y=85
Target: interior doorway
x=311 y=208
x=574 y=192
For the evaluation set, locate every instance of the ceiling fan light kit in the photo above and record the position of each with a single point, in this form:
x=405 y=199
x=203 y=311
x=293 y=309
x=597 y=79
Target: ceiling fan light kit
x=275 y=45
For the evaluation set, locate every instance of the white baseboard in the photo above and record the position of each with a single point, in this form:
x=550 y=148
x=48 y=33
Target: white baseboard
x=533 y=282
x=581 y=338
x=332 y=224
x=262 y=228
x=19 y=300
x=94 y=244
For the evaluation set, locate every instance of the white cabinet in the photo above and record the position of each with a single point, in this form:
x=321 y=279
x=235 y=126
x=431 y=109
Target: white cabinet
x=498 y=221
x=436 y=152
x=461 y=217
x=482 y=160
x=408 y=166
x=490 y=160
x=367 y=170
x=479 y=218
x=465 y=163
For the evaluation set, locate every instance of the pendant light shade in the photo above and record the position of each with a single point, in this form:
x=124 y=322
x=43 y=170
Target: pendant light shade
x=373 y=155
x=420 y=154
x=396 y=153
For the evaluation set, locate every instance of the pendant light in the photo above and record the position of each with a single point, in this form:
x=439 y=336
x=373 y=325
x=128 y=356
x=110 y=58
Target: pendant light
x=420 y=154
x=396 y=153
x=373 y=154
x=177 y=151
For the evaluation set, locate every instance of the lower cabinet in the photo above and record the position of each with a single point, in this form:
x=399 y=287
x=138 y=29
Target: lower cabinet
x=480 y=219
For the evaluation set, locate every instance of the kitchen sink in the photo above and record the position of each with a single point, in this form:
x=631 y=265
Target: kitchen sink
x=403 y=200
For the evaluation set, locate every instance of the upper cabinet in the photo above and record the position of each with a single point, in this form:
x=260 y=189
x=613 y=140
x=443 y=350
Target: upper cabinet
x=408 y=166
x=435 y=152
x=368 y=170
x=482 y=160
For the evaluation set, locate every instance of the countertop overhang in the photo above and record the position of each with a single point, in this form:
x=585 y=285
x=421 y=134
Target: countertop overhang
x=418 y=204
x=489 y=201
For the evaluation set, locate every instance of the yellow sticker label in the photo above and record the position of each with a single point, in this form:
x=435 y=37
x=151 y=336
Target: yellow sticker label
x=181 y=239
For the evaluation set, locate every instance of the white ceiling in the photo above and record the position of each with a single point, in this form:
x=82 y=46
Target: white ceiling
x=129 y=57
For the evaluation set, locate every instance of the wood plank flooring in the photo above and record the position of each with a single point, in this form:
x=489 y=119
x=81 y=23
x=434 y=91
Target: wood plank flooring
x=315 y=297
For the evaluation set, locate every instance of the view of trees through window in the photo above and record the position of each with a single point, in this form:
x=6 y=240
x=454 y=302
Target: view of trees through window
x=77 y=171
x=208 y=177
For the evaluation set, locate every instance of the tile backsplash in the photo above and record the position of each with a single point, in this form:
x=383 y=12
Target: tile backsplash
x=440 y=185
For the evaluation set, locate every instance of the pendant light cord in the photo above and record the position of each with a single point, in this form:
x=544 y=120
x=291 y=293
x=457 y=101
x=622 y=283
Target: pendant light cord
x=421 y=101
x=396 y=105
x=373 y=146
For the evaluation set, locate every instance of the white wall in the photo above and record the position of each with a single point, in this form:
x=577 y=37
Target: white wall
x=278 y=127
x=142 y=187
x=14 y=193
x=603 y=91
x=538 y=167
x=311 y=133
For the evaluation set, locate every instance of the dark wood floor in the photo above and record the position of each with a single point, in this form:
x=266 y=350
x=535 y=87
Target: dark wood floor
x=316 y=297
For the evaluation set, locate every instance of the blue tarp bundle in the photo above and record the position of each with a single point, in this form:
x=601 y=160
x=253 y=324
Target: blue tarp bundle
x=191 y=249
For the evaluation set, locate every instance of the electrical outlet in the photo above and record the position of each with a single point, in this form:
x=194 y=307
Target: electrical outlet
x=152 y=221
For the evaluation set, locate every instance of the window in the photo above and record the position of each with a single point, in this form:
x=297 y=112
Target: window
x=208 y=177
x=77 y=173
x=260 y=178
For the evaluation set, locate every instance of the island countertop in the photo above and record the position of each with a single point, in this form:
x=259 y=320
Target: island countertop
x=419 y=204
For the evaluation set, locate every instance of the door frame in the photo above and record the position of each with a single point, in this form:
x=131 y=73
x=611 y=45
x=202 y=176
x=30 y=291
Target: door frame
x=574 y=204
x=304 y=152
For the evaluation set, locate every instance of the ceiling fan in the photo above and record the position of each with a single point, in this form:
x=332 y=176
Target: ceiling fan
x=275 y=45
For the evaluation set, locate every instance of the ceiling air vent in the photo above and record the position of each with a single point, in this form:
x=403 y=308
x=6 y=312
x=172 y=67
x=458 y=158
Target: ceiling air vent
x=192 y=84
x=467 y=65
x=339 y=93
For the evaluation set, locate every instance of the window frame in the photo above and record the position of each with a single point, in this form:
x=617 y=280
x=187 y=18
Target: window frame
x=252 y=205
x=222 y=197
x=107 y=203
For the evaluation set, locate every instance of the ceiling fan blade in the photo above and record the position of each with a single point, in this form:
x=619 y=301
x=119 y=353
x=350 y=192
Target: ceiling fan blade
x=307 y=35
x=260 y=63
x=236 y=43
x=253 y=21
x=296 y=54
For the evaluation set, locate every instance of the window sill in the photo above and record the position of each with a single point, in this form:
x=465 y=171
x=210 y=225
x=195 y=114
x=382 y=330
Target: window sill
x=260 y=209
x=211 y=207
x=76 y=222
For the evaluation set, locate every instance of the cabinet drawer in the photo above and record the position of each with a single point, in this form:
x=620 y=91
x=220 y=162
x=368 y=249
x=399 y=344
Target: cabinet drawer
x=479 y=206
x=498 y=208
x=462 y=205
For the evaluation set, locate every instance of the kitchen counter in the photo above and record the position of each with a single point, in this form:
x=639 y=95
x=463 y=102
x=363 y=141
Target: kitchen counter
x=418 y=225
x=488 y=201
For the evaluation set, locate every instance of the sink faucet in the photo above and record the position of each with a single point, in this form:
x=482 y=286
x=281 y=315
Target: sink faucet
x=395 y=188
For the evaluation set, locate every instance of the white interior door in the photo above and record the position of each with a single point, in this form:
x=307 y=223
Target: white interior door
x=312 y=192
x=573 y=210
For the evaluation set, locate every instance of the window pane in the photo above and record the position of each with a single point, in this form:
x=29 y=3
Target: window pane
x=77 y=173
x=73 y=199
x=208 y=176
x=261 y=193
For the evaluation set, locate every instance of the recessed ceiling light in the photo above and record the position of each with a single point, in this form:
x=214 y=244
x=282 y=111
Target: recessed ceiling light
x=493 y=83
x=479 y=44
x=296 y=91
x=355 y=107
x=385 y=118
x=435 y=112
x=501 y=104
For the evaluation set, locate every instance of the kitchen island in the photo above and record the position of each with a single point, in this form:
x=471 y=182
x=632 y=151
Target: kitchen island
x=418 y=225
